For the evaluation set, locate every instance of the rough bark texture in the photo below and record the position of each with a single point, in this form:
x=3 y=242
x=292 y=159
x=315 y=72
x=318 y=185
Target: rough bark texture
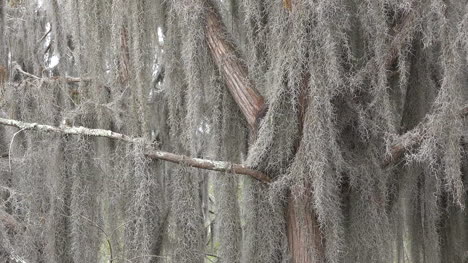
x=305 y=238
x=353 y=112
x=229 y=63
x=304 y=235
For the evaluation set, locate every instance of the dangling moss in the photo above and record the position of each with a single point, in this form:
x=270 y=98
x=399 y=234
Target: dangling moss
x=342 y=80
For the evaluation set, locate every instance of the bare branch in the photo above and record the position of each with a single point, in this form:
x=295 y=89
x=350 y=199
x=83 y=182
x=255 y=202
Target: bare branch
x=220 y=166
x=68 y=130
x=66 y=79
x=45 y=35
x=70 y=79
x=20 y=70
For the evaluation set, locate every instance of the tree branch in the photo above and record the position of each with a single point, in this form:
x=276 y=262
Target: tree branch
x=410 y=140
x=406 y=142
x=66 y=79
x=399 y=31
x=249 y=100
x=219 y=166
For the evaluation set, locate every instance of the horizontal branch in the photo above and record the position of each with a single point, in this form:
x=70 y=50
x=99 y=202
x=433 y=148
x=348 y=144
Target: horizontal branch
x=409 y=141
x=68 y=80
x=64 y=129
x=219 y=166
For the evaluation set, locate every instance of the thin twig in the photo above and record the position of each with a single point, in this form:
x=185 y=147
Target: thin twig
x=45 y=35
x=20 y=70
x=105 y=234
x=69 y=80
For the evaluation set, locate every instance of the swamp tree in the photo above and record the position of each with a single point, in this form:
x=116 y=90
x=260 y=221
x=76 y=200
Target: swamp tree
x=338 y=127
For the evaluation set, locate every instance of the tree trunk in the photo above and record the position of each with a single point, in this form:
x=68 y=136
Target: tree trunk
x=304 y=235
x=250 y=102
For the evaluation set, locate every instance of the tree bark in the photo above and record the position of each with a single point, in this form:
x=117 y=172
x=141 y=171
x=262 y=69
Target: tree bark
x=304 y=235
x=234 y=71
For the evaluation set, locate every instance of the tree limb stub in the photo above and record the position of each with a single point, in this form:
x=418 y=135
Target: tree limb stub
x=234 y=71
x=406 y=142
x=219 y=166
x=410 y=140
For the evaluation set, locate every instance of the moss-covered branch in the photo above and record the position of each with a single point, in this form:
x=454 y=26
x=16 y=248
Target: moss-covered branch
x=410 y=140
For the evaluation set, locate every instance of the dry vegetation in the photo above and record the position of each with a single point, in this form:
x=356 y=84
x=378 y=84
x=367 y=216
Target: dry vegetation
x=365 y=126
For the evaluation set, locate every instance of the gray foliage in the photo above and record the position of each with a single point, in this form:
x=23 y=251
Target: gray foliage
x=369 y=71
